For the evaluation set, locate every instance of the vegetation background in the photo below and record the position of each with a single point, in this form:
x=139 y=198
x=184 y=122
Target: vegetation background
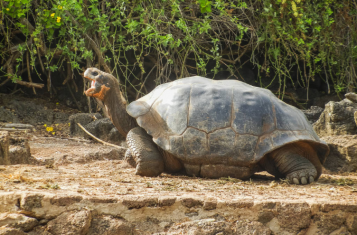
x=285 y=43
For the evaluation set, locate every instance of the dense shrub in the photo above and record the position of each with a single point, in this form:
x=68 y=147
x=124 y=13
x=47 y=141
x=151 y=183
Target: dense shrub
x=174 y=38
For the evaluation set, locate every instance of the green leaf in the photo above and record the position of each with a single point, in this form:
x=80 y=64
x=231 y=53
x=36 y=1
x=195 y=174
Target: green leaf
x=205 y=6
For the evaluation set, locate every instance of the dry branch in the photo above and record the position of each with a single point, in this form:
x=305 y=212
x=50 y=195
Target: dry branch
x=30 y=84
x=28 y=70
x=101 y=141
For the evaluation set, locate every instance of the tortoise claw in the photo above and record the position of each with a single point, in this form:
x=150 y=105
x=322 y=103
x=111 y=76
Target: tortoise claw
x=296 y=181
x=303 y=180
x=311 y=179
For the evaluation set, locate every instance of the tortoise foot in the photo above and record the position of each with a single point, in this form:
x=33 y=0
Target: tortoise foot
x=297 y=163
x=148 y=159
x=306 y=176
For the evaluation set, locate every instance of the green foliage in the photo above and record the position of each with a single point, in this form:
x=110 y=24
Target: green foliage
x=180 y=38
x=16 y=8
x=205 y=6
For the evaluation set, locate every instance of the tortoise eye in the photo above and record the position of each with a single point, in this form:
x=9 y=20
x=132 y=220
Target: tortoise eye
x=95 y=73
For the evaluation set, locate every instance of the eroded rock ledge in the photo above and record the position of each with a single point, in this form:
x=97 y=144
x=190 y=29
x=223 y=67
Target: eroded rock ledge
x=50 y=213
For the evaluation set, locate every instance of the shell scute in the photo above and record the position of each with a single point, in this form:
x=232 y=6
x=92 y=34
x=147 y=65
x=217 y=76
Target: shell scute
x=253 y=111
x=221 y=142
x=210 y=107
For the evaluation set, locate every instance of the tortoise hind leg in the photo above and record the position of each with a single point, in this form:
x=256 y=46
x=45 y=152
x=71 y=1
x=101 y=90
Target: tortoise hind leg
x=148 y=159
x=297 y=162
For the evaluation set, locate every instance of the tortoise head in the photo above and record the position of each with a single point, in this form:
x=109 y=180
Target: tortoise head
x=101 y=83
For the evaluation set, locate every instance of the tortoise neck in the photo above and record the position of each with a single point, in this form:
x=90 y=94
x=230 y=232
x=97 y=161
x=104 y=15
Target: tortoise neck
x=116 y=104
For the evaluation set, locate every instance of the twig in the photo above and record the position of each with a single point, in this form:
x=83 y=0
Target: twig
x=69 y=72
x=16 y=91
x=49 y=80
x=28 y=70
x=39 y=58
x=4 y=82
x=103 y=142
x=30 y=84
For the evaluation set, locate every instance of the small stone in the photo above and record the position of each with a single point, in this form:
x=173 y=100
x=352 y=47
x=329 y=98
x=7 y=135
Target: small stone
x=19 y=126
x=167 y=201
x=191 y=202
x=43 y=221
x=210 y=204
x=351 y=96
x=135 y=202
x=28 y=202
x=65 y=200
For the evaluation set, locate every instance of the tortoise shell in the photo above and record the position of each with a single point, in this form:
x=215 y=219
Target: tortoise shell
x=204 y=121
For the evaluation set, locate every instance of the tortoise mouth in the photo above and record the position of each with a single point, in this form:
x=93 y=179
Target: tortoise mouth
x=97 y=89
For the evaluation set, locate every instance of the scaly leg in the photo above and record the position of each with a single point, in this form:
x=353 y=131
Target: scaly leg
x=298 y=162
x=149 y=161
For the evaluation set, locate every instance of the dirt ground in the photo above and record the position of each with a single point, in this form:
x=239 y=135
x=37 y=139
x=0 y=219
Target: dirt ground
x=78 y=165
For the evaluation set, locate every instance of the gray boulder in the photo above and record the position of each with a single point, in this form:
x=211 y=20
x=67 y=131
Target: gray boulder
x=313 y=113
x=343 y=153
x=83 y=119
x=337 y=119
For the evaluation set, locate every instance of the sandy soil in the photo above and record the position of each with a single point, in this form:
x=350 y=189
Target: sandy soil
x=85 y=167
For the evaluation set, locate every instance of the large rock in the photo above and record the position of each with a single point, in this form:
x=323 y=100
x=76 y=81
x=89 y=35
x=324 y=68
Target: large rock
x=337 y=119
x=109 y=225
x=83 y=119
x=313 y=113
x=17 y=221
x=95 y=124
x=4 y=148
x=71 y=223
x=14 y=150
x=19 y=151
x=7 y=116
x=11 y=231
x=105 y=130
x=343 y=153
x=201 y=227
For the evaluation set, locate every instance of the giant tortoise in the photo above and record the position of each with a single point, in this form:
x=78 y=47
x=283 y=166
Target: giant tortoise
x=212 y=128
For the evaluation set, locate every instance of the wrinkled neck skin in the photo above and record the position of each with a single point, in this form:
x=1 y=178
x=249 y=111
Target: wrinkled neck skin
x=115 y=104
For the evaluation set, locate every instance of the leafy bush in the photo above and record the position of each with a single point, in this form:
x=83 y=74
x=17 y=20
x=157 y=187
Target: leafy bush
x=176 y=38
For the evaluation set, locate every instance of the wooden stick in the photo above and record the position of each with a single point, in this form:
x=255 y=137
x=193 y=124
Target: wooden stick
x=30 y=84
x=4 y=82
x=103 y=142
x=49 y=81
x=28 y=70
x=69 y=72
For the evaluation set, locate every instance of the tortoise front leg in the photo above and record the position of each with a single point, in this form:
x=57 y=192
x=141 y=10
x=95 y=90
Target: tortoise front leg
x=298 y=162
x=148 y=159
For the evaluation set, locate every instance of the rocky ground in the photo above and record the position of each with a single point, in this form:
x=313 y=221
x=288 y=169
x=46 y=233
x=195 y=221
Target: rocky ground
x=74 y=185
